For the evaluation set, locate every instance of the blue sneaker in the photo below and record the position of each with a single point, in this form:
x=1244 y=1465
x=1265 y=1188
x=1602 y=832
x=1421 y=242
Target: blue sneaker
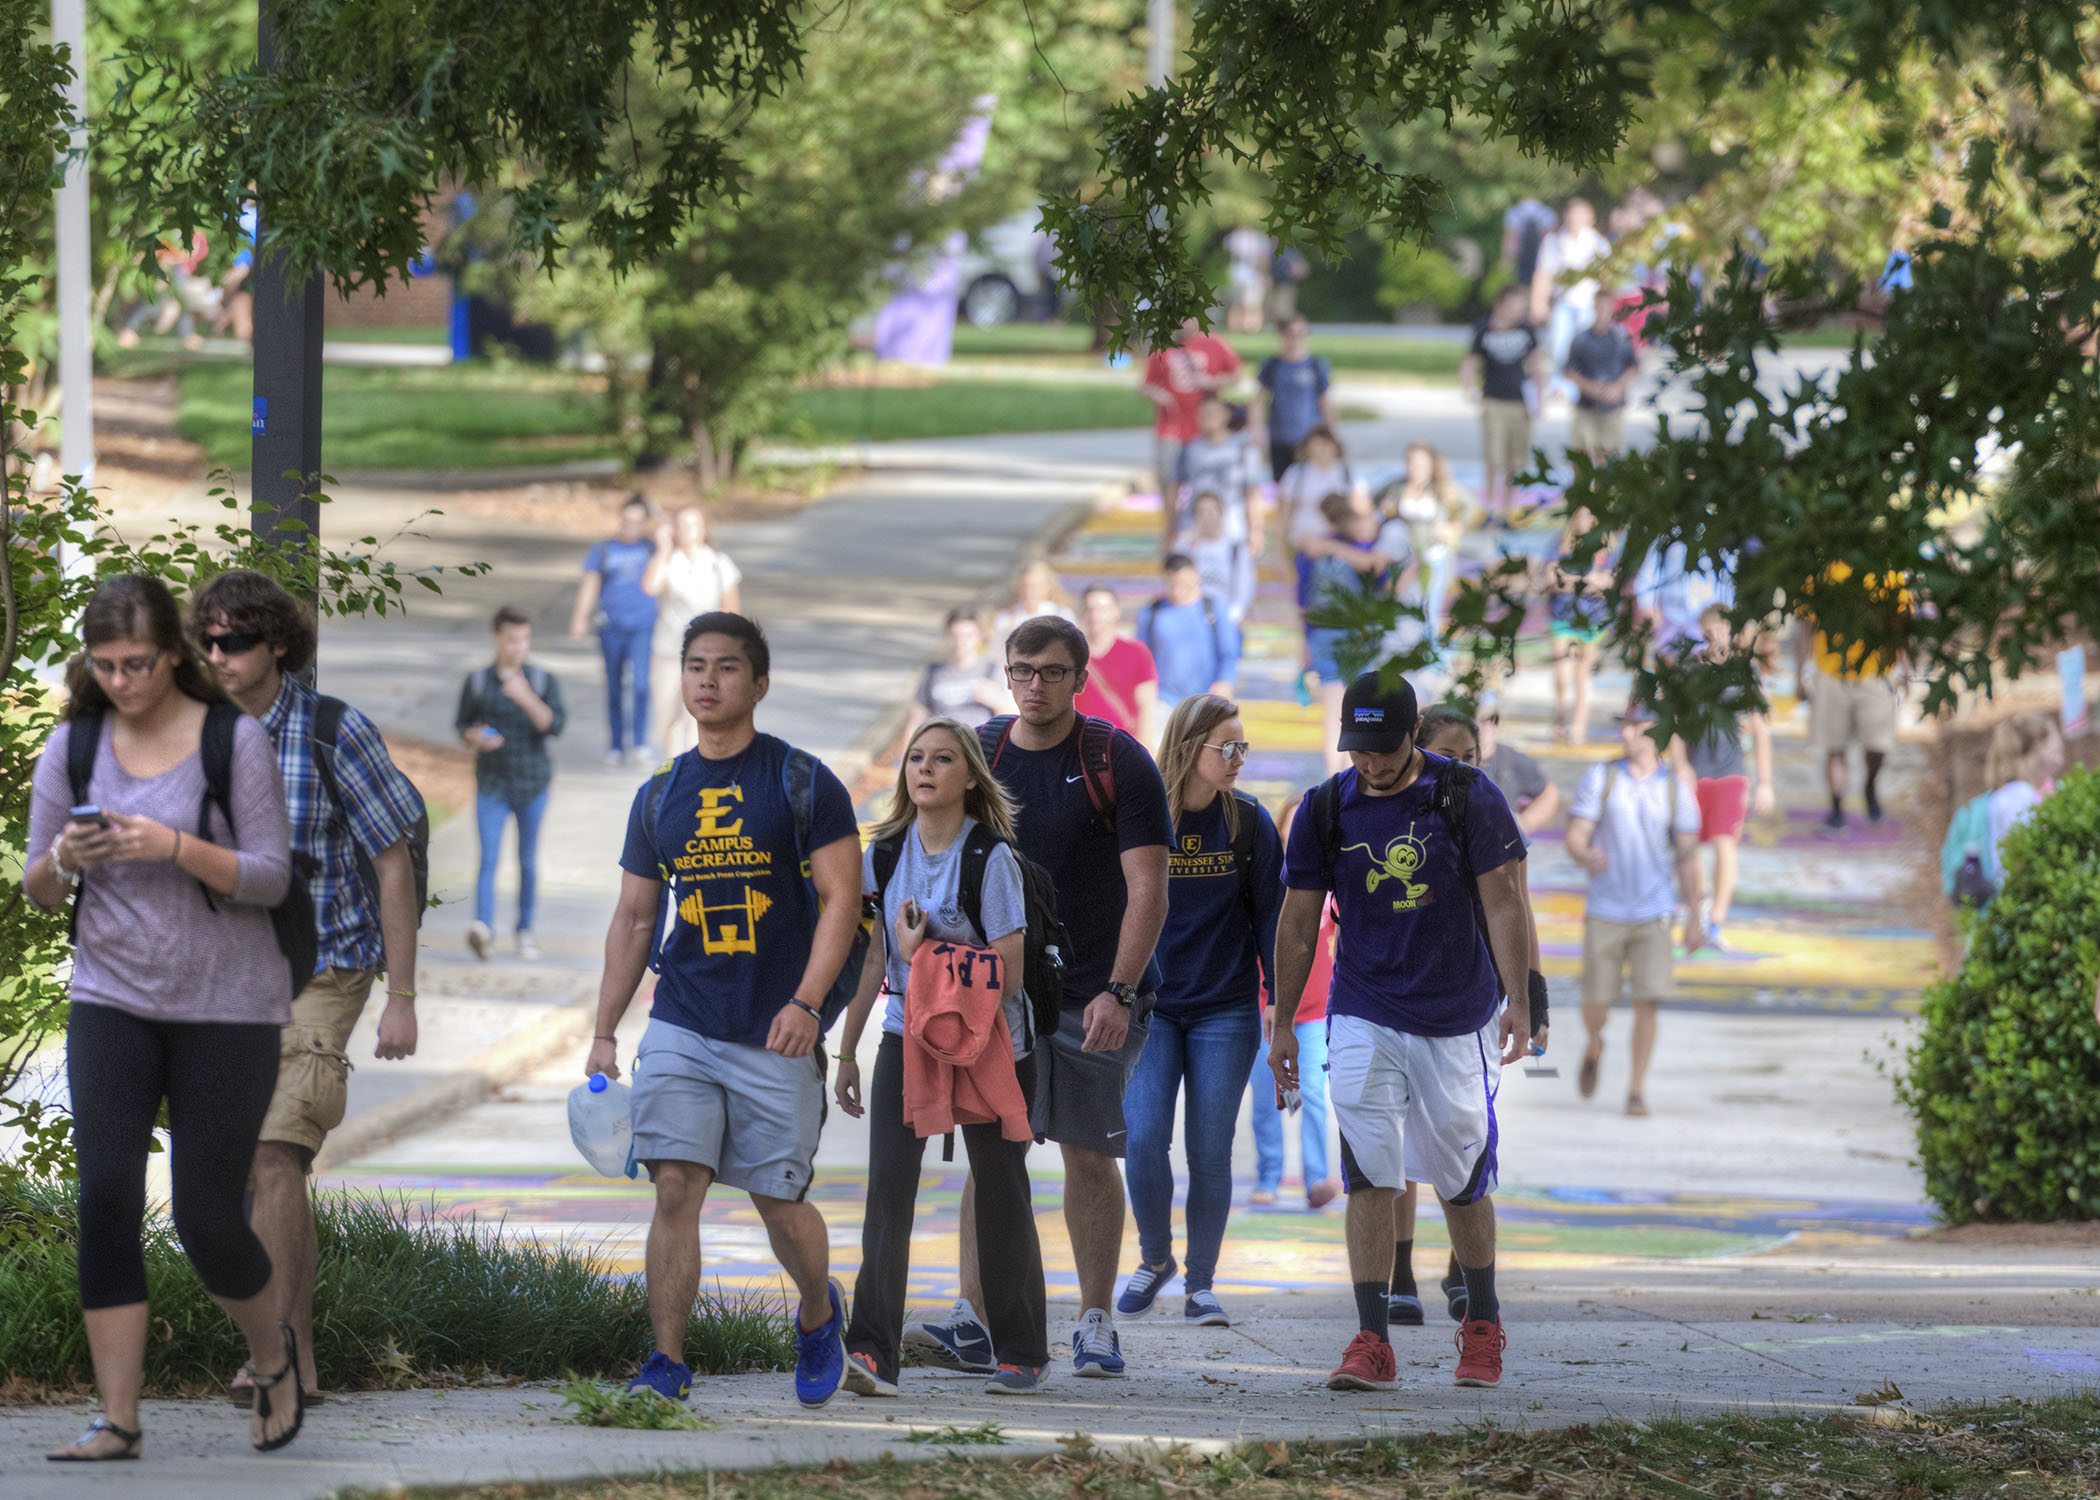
x=1202 y=1310
x=665 y=1376
x=1403 y=1311
x=1095 y=1349
x=1015 y=1380
x=820 y=1355
x=959 y=1341
x=1143 y=1288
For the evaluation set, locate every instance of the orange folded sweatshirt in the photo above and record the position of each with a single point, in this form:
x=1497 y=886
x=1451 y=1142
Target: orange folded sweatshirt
x=958 y=1051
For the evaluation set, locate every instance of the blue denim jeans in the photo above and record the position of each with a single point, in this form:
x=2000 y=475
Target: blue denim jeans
x=1210 y=1055
x=1312 y=1115
x=626 y=652
x=490 y=814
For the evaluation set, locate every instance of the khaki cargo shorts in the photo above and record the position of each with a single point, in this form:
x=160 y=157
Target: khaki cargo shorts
x=313 y=1071
x=1598 y=431
x=1610 y=950
x=1844 y=711
x=1505 y=435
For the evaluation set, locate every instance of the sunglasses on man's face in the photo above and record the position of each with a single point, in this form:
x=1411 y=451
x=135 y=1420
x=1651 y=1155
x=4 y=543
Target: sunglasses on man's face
x=228 y=642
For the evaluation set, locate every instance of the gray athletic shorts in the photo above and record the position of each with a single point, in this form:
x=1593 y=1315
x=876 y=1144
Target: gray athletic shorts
x=1079 y=1094
x=749 y=1116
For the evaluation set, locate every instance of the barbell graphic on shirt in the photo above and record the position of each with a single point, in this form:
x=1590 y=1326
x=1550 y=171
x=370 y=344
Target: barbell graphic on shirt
x=1402 y=859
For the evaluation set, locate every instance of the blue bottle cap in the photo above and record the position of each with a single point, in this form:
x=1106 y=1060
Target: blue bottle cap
x=597 y=1083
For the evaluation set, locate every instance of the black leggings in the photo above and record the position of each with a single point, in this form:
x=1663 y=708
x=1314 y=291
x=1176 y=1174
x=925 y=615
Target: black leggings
x=217 y=1078
x=1007 y=1247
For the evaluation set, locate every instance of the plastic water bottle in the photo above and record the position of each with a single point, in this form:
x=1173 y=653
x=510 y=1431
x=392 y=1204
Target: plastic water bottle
x=601 y=1125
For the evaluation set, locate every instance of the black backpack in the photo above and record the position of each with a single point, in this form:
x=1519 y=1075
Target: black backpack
x=1046 y=942
x=292 y=918
x=1454 y=791
x=1096 y=764
x=798 y=779
x=328 y=728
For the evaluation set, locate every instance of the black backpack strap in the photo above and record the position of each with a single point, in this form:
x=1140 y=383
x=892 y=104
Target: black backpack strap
x=1243 y=852
x=83 y=743
x=798 y=778
x=1453 y=803
x=992 y=736
x=1326 y=813
x=327 y=731
x=1210 y=616
x=216 y=751
x=969 y=879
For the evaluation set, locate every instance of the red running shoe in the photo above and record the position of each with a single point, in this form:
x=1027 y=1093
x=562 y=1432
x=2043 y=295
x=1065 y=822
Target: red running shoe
x=1367 y=1365
x=1480 y=1345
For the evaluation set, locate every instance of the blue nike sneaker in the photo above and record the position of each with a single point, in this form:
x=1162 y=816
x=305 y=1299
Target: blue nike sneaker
x=820 y=1354
x=1143 y=1288
x=1096 y=1351
x=665 y=1376
x=960 y=1341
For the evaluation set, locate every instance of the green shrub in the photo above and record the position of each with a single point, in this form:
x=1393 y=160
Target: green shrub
x=2004 y=1078
x=402 y=1297
x=1410 y=276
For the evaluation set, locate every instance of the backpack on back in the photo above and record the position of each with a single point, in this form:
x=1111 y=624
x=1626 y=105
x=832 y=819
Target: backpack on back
x=292 y=919
x=1096 y=764
x=798 y=780
x=1045 y=941
x=327 y=731
x=1964 y=872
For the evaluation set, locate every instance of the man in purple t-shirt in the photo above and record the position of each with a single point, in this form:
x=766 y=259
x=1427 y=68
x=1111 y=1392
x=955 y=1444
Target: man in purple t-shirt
x=1415 y=1044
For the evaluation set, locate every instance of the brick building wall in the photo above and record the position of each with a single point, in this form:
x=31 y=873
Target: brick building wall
x=424 y=302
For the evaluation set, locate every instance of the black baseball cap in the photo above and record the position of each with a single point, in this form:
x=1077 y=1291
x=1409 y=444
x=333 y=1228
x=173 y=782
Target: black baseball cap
x=1377 y=717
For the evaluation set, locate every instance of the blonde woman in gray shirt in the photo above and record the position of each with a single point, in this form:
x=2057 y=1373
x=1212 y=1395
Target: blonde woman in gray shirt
x=179 y=988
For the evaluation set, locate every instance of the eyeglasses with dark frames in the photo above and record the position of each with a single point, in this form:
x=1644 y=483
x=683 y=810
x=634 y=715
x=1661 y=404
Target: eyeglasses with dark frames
x=1022 y=673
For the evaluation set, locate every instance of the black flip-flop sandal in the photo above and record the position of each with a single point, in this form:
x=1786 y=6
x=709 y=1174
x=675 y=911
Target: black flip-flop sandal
x=264 y=1384
x=126 y=1436
x=242 y=1397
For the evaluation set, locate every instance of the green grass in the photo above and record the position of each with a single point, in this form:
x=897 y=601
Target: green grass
x=2019 y=1451
x=983 y=1435
x=593 y=1405
x=402 y=1299
x=834 y=414
x=467 y=416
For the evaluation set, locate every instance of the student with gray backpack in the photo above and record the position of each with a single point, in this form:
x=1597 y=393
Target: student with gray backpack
x=508 y=711
x=159 y=807
x=360 y=844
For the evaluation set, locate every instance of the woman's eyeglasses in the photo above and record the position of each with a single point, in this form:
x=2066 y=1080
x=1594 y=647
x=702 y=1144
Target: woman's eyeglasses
x=130 y=666
x=1231 y=749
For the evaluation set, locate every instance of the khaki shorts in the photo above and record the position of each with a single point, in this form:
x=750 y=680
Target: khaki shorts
x=1505 y=435
x=1846 y=711
x=313 y=1071
x=1598 y=431
x=1611 y=949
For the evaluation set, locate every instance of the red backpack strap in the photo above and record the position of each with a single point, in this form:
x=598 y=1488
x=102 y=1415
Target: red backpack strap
x=1097 y=739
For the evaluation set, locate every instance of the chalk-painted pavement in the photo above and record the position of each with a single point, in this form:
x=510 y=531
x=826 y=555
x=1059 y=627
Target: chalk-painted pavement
x=1820 y=930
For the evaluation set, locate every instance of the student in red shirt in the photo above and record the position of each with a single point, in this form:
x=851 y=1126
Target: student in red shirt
x=1177 y=378
x=1122 y=684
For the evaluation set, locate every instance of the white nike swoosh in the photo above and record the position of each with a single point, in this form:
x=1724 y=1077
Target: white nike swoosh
x=1070 y=779
x=1113 y=1134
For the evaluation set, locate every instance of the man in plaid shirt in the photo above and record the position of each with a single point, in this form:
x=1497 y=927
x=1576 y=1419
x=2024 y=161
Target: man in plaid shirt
x=258 y=638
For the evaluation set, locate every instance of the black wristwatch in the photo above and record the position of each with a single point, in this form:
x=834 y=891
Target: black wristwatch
x=1124 y=992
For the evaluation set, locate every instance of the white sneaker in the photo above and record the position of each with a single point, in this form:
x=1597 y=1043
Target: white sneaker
x=527 y=948
x=641 y=755
x=479 y=938
x=615 y=757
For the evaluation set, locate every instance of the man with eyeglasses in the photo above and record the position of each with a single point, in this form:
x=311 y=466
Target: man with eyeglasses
x=352 y=821
x=1094 y=815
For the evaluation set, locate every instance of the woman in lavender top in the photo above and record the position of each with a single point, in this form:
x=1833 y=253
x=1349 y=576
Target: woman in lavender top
x=177 y=997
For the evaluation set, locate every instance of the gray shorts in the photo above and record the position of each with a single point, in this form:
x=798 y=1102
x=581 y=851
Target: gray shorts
x=751 y=1117
x=1079 y=1094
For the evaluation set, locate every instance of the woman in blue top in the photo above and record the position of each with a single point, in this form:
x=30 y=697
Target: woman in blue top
x=614 y=603
x=1224 y=889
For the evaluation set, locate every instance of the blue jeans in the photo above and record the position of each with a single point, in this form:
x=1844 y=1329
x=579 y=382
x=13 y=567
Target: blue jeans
x=1312 y=1115
x=626 y=651
x=490 y=814
x=1211 y=1055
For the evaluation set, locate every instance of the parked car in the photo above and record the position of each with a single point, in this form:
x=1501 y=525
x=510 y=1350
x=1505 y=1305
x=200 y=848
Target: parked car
x=1008 y=273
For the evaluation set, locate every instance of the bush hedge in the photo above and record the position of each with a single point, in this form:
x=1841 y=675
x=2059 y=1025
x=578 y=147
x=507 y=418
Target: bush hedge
x=2004 y=1077
x=403 y=1297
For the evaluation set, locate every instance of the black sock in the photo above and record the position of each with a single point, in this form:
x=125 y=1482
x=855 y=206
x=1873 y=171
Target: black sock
x=1837 y=804
x=1452 y=1274
x=1874 y=764
x=1370 y=1307
x=1404 y=1267
x=1481 y=1302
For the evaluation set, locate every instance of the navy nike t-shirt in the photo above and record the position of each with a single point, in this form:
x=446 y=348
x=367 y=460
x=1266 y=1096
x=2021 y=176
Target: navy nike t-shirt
x=1058 y=831
x=1411 y=956
x=743 y=916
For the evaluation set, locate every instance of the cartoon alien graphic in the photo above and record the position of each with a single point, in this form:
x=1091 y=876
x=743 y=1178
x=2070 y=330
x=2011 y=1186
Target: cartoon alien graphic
x=1403 y=857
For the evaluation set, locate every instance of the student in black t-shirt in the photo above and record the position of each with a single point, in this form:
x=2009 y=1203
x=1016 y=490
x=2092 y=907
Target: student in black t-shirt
x=1109 y=865
x=1505 y=354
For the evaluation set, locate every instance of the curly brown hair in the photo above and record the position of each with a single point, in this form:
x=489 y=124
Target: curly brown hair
x=242 y=599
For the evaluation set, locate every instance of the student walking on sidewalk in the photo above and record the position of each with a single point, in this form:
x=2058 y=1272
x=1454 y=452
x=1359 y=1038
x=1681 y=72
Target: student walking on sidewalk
x=614 y=603
x=1224 y=889
x=729 y=1077
x=942 y=866
x=1264 y=1116
x=353 y=815
x=162 y=802
x=507 y=713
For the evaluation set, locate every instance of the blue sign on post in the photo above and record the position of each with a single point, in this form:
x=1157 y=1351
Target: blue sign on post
x=261 y=422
